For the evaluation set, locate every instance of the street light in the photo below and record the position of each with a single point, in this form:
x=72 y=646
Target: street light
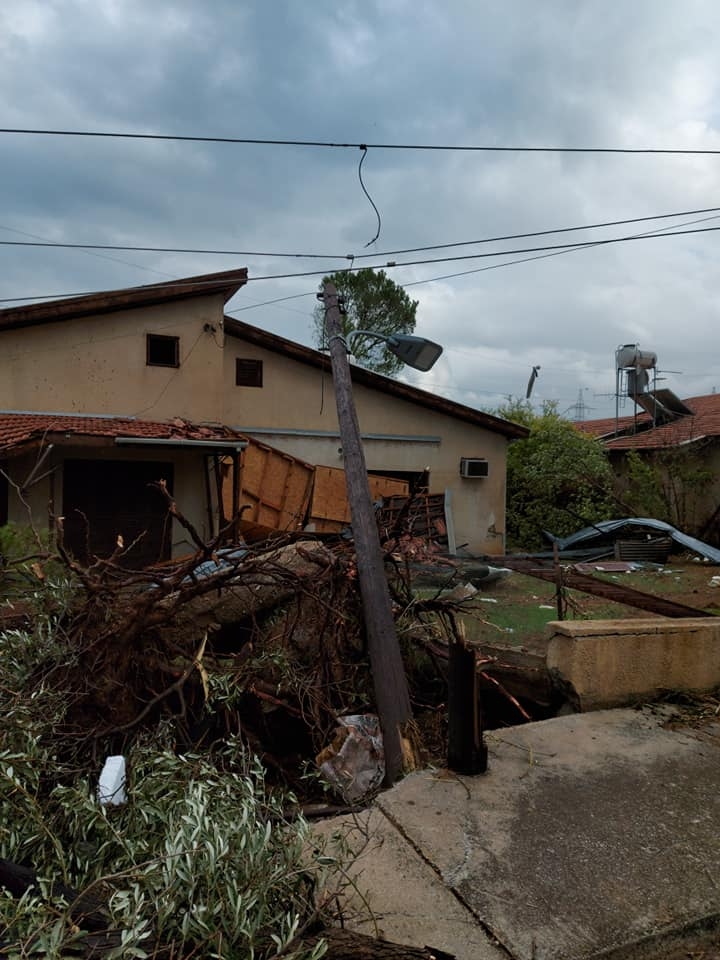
x=417 y=352
x=389 y=680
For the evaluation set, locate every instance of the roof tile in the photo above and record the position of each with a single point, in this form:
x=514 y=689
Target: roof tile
x=705 y=422
x=18 y=429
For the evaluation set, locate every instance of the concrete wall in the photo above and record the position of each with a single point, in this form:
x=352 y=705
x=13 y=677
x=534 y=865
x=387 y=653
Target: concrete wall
x=295 y=411
x=188 y=488
x=607 y=663
x=98 y=364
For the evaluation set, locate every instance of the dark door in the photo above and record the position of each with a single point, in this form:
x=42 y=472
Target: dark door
x=104 y=499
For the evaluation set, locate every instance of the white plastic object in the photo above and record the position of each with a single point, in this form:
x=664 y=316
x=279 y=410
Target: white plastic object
x=111 y=786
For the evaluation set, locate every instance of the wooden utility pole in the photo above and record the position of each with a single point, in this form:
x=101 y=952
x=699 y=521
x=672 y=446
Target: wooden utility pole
x=391 y=691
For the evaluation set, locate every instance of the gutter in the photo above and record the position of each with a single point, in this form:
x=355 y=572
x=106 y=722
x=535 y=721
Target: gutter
x=236 y=445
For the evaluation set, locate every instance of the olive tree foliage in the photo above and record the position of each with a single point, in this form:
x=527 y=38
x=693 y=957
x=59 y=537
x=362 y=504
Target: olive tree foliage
x=558 y=479
x=201 y=860
x=372 y=301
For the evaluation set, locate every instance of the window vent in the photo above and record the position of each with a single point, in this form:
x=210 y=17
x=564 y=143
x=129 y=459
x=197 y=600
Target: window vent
x=248 y=373
x=474 y=469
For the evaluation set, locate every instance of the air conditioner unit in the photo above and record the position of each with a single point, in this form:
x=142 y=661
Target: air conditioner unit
x=474 y=469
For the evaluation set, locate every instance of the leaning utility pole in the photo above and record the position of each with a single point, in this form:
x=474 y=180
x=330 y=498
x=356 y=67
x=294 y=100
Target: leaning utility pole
x=391 y=691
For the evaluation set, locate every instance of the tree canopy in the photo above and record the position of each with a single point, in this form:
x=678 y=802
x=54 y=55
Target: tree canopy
x=558 y=479
x=372 y=302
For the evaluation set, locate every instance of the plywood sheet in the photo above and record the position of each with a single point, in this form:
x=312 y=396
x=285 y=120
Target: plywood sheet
x=329 y=507
x=274 y=485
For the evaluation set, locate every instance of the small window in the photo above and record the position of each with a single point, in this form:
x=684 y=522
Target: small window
x=248 y=373
x=163 y=351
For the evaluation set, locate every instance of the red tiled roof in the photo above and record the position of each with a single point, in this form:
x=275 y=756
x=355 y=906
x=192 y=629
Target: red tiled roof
x=609 y=425
x=705 y=422
x=19 y=429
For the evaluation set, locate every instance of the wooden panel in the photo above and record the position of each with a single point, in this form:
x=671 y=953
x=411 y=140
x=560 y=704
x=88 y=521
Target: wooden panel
x=329 y=508
x=274 y=485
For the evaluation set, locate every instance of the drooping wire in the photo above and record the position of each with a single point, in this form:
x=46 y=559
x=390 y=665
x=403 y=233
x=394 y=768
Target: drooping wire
x=372 y=202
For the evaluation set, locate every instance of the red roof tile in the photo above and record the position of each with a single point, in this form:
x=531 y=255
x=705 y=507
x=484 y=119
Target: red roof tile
x=705 y=422
x=19 y=429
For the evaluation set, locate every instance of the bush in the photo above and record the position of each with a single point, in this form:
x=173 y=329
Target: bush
x=201 y=859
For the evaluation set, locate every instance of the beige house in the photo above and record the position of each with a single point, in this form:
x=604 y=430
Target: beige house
x=167 y=351
x=100 y=476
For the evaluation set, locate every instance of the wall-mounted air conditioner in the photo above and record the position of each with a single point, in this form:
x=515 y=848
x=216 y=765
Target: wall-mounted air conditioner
x=474 y=469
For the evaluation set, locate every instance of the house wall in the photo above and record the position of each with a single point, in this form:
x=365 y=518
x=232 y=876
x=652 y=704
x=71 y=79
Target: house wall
x=97 y=365
x=295 y=411
x=189 y=489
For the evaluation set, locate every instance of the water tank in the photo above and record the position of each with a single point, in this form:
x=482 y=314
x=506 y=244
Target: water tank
x=630 y=355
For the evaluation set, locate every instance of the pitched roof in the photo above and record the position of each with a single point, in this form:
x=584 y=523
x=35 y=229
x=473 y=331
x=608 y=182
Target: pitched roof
x=704 y=422
x=18 y=430
x=226 y=283
x=361 y=375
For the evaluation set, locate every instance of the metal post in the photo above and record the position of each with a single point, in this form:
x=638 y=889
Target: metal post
x=390 y=683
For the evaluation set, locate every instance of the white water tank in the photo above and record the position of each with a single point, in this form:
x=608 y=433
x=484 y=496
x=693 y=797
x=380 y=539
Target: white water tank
x=630 y=355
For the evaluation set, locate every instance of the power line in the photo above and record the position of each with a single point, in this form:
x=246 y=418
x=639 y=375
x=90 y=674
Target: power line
x=342 y=256
x=259 y=141
x=560 y=247
x=543 y=256
x=497 y=253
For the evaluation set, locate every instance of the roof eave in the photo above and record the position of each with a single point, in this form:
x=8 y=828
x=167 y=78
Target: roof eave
x=226 y=283
x=270 y=341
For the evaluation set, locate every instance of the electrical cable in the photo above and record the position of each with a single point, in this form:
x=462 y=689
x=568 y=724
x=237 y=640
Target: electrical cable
x=496 y=253
x=261 y=141
x=372 y=202
x=345 y=256
x=561 y=247
x=541 y=256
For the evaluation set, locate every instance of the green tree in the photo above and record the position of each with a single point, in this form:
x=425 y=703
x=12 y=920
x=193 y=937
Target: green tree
x=673 y=484
x=558 y=479
x=372 y=302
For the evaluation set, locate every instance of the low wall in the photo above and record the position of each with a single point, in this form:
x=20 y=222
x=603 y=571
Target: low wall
x=607 y=663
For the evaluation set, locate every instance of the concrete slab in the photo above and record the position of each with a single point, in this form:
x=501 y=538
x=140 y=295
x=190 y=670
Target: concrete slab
x=397 y=896
x=589 y=834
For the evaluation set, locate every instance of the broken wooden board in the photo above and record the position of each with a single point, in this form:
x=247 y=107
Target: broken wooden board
x=329 y=507
x=274 y=487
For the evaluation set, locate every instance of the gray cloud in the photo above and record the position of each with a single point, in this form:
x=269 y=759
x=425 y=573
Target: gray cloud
x=567 y=73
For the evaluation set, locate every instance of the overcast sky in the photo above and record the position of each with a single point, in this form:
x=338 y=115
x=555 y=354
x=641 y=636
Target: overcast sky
x=566 y=73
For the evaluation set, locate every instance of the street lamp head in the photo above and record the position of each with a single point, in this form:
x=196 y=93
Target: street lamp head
x=414 y=351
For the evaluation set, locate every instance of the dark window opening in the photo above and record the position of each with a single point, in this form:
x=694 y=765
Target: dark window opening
x=104 y=499
x=418 y=481
x=163 y=351
x=248 y=373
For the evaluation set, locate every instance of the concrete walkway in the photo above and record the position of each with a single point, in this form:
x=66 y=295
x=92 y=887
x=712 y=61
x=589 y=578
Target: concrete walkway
x=592 y=835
